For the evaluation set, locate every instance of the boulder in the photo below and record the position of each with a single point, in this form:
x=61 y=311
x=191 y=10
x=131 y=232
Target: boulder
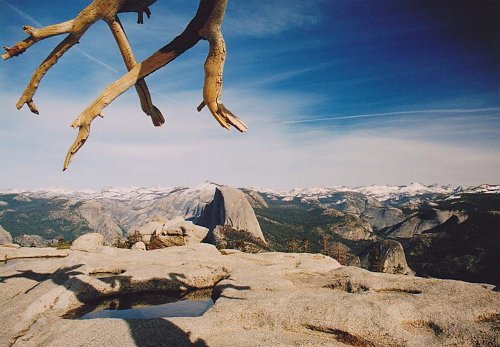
x=143 y=232
x=139 y=246
x=161 y=233
x=385 y=256
x=88 y=242
x=5 y=236
x=231 y=208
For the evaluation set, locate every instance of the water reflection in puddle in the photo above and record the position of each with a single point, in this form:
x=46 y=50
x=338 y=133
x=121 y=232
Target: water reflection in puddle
x=147 y=306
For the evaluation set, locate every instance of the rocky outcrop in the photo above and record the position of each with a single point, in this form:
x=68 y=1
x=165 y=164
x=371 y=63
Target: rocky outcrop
x=5 y=236
x=255 y=199
x=143 y=232
x=466 y=251
x=33 y=241
x=382 y=217
x=349 y=226
x=385 y=256
x=228 y=237
x=88 y=242
x=160 y=233
x=231 y=208
x=426 y=219
x=100 y=221
x=177 y=232
x=266 y=299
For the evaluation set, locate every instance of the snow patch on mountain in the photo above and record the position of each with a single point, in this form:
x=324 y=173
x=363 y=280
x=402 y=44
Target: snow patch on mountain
x=379 y=192
x=385 y=192
x=133 y=194
x=483 y=189
x=138 y=194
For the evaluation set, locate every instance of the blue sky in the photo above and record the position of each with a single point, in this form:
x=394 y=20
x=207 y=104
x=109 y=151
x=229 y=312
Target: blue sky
x=334 y=92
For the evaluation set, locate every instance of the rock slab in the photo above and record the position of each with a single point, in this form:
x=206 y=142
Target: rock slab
x=265 y=299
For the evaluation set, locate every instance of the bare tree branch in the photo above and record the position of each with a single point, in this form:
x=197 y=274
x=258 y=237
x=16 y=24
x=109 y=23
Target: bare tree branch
x=36 y=35
x=129 y=59
x=76 y=28
x=205 y=25
x=97 y=10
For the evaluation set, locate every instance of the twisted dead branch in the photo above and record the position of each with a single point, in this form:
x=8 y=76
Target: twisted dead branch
x=205 y=25
x=75 y=28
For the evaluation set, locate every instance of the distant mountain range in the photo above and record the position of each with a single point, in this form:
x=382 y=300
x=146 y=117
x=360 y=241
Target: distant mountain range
x=383 y=193
x=445 y=231
x=389 y=195
x=114 y=211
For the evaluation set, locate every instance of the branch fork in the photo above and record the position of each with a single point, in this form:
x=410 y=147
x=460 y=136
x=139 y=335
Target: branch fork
x=205 y=25
x=76 y=28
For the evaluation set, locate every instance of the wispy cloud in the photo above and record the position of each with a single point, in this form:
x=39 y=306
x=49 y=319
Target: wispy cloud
x=124 y=143
x=270 y=17
x=290 y=64
x=389 y=114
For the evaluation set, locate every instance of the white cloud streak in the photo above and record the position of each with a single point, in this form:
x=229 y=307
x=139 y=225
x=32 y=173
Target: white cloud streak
x=94 y=59
x=124 y=150
x=396 y=113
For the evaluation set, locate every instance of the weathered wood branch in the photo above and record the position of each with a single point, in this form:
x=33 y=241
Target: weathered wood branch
x=206 y=25
x=214 y=66
x=129 y=59
x=76 y=28
x=97 y=7
x=139 y=6
x=36 y=35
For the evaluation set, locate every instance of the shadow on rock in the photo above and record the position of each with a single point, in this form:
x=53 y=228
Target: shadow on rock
x=145 y=332
x=59 y=277
x=160 y=332
x=219 y=290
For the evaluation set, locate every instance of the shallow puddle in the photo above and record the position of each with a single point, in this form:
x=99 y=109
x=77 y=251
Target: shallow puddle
x=146 y=306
